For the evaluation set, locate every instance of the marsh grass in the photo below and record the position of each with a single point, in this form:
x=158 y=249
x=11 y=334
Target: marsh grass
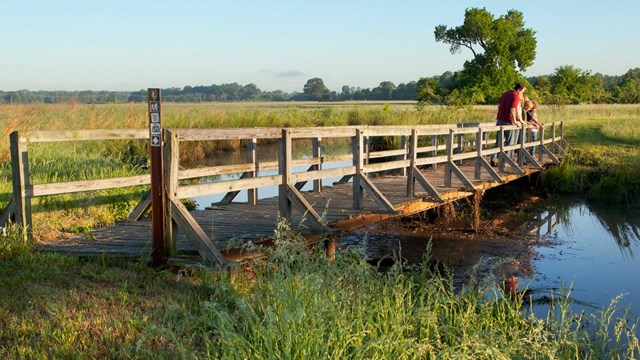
x=605 y=164
x=295 y=305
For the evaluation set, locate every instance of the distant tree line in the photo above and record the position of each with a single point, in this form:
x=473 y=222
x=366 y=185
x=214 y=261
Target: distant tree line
x=567 y=85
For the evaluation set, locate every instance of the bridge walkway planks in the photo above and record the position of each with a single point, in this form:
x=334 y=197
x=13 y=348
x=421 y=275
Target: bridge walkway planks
x=232 y=225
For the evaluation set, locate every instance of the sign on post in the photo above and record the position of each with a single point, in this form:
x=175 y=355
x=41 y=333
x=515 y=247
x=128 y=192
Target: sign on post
x=157 y=181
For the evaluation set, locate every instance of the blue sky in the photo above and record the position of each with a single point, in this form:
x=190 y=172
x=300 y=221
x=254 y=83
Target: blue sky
x=132 y=45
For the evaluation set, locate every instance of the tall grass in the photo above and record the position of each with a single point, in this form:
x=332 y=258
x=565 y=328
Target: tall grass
x=296 y=305
x=605 y=165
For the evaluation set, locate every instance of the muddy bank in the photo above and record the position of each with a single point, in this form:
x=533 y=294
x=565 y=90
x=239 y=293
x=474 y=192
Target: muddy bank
x=498 y=244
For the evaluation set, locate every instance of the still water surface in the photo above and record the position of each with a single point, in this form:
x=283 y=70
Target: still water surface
x=594 y=250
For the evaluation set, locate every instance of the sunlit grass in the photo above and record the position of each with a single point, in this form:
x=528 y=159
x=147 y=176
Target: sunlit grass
x=297 y=304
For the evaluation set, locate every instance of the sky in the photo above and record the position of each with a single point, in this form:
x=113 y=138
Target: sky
x=128 y=45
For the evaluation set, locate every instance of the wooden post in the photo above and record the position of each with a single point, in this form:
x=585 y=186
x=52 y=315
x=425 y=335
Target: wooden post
x=284 y=166
x=553 y=138
x=500 y=136
x=413 y=149
x=540 y=149
x=171 y=157
x=434 y=142
x=317 y=153
x=477 y=171
x=447 y=167
x=252 y=194
x=20 y=176
x=403 y=145
x=521 y=139
x=157 y=175
x=358 y=162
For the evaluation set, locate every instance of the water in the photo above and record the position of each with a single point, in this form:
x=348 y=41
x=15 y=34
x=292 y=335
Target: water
x=269 y=152
x=594 y=251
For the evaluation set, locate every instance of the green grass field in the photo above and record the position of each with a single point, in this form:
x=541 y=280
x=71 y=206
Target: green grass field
x=296 y=305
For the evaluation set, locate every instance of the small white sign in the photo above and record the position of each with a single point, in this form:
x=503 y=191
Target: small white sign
x=155 y=140
x=155 y=117
x=154 y=107
x=155 y=129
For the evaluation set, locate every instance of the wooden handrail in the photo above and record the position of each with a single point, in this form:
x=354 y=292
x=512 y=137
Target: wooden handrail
x=361 y=161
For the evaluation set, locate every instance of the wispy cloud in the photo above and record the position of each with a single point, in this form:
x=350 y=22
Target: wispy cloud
x=290 y=74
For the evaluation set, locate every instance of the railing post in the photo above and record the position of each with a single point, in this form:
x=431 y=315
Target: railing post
x=540 y=149
x=252 y=194
x=284 y=166
x=403 y=145
x=500 y=136
x=521 y=140
x=413 y=149
x=553 y=138
x=447 y=167
x=20 y=177
x=317 y=153
x=158 y=225
x=171 y=151
x=434 y=142
x=477 y=170
x=358 y=162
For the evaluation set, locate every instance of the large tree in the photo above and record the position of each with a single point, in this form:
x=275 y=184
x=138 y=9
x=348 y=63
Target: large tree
x=501 y=47
x=315 y=89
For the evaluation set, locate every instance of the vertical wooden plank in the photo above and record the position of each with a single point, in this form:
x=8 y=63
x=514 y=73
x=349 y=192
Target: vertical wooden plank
x=284 y=166
x=20 y=179
x=553 y=138
x=403 y=145
x=171 y=157
x=413 y=148
x=521 y=139
x=317 y=153
x=540 y=149
x=477 y=171
x=447 y=166
x=157 y=177
x=252 y=194
x=358 y=162
x=434 y=142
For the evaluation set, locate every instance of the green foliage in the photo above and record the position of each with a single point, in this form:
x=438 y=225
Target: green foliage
x=501 y=47
x=316 y=90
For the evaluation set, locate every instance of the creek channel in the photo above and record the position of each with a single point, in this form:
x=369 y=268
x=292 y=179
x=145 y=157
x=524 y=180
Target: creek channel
x=562 y=246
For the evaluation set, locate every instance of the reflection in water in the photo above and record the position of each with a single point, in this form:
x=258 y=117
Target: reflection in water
x=591 y=260
x=621 y=223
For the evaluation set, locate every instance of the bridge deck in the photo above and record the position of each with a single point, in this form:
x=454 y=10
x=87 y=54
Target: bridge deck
x=231 y=225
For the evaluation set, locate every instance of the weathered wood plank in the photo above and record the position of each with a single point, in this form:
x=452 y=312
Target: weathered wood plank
x=313 y=218
x=85 y=185
x=189 y=191
x=196 y=235
x=209 y=134
x=20 y=181
x=143 y=206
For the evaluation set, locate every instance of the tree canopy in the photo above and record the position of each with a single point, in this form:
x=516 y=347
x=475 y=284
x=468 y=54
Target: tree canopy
x=316 y=90
x=501 y=47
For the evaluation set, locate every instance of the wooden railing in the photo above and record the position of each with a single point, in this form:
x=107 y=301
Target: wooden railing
x=432 y=145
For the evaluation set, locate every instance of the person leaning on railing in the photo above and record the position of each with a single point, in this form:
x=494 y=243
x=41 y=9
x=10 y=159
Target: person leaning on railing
x=508 y=115
x=531 y=111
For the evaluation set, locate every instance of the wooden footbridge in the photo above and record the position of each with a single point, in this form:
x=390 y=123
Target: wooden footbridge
x=432 y=165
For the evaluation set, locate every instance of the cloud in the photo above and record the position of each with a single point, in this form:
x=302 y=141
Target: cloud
x=290 y=74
